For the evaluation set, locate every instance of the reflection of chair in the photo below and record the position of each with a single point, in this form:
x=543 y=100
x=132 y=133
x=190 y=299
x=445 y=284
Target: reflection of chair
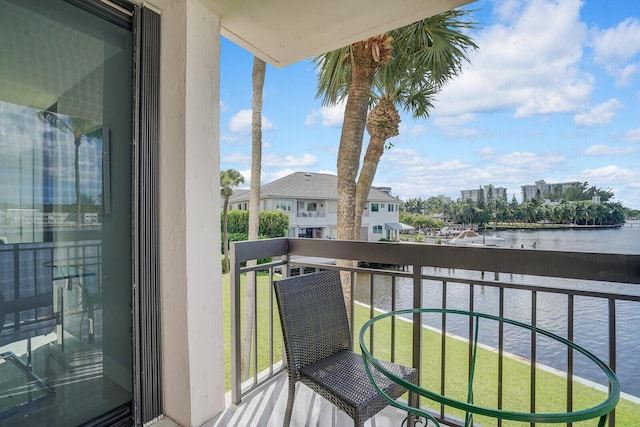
x=319 y=348
x=26 y=311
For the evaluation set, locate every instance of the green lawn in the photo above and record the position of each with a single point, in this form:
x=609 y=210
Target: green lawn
x=550 y=388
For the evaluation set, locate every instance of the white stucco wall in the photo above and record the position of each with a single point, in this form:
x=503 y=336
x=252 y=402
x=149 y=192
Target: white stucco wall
x=190 y=273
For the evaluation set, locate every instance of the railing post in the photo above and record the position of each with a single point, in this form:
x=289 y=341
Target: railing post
x=417 y=321
x=236 y=374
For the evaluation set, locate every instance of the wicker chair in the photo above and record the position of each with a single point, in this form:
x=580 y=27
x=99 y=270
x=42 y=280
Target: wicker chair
x=319 y=348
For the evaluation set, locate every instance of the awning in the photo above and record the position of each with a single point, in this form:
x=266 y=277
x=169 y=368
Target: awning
x=397 y=226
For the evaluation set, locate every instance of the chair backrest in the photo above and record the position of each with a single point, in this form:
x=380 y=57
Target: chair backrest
x=313 y=317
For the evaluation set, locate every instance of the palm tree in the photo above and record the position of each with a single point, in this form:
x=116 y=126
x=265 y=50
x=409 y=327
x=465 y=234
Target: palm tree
x=76 y=128
x=404 y=68
x=257 y=77
x=426 y=55
x=229 y=179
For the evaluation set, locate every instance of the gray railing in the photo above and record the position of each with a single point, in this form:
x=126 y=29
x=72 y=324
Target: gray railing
x=428 y=275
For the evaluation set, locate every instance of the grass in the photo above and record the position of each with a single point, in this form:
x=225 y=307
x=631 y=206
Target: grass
x=550 y=388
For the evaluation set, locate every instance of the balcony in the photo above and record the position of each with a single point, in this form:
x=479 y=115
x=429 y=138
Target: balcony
x=589 y=298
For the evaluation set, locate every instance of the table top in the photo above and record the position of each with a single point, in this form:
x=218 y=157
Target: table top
x=600 y=410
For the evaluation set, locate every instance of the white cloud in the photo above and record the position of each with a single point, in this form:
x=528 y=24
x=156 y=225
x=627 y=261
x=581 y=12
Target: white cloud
x=452 y=126
x=277 y=160
x=615 y=47
x=599 y=115
x=534 y=161
x=241 y=122
x=236 y=158
x=527 y=63
x=610 y=174
x=418 y=130
x=632 y=135
x=328 y=116
x=486 y=152
x=607 y=150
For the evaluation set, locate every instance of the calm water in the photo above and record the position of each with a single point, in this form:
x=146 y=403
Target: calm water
x=591 y=314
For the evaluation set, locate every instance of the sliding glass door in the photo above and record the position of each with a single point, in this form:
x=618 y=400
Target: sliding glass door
x=65 y=214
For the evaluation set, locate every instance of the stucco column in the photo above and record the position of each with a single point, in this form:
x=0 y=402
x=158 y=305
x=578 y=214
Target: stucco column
x=190 y=272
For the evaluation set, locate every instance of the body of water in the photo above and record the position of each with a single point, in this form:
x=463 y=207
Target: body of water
x=590 y=314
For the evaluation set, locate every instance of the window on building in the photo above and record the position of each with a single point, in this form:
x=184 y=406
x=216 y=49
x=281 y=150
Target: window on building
x=313 y=206
x=284 y=205
x=374 y=207
x=391 y=207
x=301 y=206
x=377 y=229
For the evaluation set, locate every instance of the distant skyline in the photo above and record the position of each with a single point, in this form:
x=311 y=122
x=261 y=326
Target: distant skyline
x=553 y=93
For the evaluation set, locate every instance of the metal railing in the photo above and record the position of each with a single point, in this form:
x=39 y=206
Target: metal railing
x=29 y=271
x=605 y=285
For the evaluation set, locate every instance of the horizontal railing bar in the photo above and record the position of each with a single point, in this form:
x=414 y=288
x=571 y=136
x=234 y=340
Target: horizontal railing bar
x=525 y=287
x=571 y=265
x=258 y=267
x=483 y=282
x=256 y=249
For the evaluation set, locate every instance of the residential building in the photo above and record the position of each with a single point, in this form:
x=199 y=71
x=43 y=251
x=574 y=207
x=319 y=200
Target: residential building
x=121 y=99
x=542 y=189
x=311 y=201
x=474 y=194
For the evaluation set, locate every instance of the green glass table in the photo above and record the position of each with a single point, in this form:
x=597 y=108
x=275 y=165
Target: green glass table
x=600 y=410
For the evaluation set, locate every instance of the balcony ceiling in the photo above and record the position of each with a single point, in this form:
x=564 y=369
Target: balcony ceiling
x=282 y=32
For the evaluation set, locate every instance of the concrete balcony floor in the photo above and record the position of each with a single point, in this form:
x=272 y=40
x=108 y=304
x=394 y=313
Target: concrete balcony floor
x=266 y=405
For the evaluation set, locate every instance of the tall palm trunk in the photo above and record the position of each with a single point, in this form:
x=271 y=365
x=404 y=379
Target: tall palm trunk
x=259 y=69
x=225 y=233
x=355 y=115
x=76 y=165
x=382 y=124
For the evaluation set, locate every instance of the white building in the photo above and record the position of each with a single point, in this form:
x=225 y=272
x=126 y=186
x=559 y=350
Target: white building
x=542 y=188
x=474 y=194
x=311 y=200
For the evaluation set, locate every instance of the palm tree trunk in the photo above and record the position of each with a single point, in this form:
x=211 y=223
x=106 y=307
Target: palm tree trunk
x=77 y=178
x=372 y=156
x=355 y=116
x=259 y=69
x=382 y=124
x=225 y=240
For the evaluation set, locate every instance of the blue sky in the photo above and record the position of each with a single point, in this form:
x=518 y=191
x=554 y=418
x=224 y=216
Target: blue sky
x=552 y=93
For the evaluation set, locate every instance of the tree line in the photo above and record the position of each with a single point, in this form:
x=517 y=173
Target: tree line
x=573 y=206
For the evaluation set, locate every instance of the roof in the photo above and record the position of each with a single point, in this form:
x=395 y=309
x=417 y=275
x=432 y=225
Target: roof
x=286 y=31
x=306 y=185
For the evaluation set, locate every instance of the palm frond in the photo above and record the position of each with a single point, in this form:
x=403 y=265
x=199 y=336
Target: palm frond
x=334 y=72
x=55 y=121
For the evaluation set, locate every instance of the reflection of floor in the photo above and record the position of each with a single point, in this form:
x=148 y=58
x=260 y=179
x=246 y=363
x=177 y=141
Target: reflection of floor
x=80 y=388
x=20 y=388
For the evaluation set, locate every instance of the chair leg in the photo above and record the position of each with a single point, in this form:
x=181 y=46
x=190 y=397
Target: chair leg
x=413 y=403
x=291 y=395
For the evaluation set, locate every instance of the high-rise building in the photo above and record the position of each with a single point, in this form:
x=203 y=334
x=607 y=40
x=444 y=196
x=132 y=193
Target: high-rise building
x=486 y=190
x=531 y=191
